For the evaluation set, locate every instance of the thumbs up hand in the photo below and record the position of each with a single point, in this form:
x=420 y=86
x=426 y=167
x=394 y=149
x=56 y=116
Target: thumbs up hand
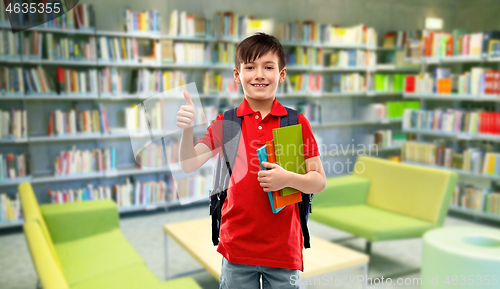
x=187 y=113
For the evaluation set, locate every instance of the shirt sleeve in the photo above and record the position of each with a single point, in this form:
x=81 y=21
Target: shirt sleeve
x=310 y=145
x=213 y=135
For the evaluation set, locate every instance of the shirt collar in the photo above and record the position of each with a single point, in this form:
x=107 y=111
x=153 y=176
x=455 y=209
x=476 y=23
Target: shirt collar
x=276 y=110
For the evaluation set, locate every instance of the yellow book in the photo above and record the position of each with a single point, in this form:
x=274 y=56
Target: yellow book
x=10 y=210
x=144 y=23
x=491 y=163
x=492 y=43
x=124 y=49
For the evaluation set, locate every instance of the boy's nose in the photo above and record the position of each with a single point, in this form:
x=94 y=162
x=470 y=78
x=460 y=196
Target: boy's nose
x=259 y=74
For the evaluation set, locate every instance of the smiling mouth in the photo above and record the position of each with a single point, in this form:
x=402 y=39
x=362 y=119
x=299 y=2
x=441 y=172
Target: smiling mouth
x=260 y=85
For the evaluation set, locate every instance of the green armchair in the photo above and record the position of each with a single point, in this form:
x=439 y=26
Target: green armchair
x=385 y=200
x=80 y=246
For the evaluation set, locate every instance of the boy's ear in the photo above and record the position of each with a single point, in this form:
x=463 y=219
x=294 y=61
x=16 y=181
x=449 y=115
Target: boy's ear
x=282 y=75
x=236 y=75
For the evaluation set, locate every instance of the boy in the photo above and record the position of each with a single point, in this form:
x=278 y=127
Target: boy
x=254 y=242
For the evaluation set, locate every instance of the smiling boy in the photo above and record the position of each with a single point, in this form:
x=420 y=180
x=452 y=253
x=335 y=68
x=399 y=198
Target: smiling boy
x=254 y=242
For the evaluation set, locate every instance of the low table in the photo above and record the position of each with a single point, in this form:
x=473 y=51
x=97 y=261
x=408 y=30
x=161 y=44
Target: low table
x=323 y=258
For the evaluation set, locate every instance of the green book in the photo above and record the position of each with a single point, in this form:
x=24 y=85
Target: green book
x=289 y=150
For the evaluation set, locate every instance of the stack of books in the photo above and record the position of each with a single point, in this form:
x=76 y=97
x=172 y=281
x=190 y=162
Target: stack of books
x=289 y=159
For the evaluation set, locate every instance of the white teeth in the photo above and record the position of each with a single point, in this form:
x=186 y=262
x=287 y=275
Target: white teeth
x=259 y=85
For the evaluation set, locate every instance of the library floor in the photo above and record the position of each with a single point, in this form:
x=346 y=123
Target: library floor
x=144 y=231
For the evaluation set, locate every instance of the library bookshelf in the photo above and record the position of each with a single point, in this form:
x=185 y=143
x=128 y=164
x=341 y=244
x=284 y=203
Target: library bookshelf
x=454 y=100
x=37 y=142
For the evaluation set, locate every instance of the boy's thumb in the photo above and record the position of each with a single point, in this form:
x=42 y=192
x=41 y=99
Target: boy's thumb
x=187 y=97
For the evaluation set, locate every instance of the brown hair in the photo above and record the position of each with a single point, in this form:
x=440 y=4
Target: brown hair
x=256 y=46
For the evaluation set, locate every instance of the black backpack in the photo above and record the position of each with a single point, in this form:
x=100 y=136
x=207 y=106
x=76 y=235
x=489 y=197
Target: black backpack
x=223 y=169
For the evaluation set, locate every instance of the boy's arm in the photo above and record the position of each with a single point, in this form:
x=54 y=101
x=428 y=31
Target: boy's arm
x=191 y=158
x=314 y=181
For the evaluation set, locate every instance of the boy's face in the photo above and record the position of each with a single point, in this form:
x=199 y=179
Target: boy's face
x=260 y=78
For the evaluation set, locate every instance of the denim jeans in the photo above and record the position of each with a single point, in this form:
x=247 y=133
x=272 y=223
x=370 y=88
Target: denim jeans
x=239 y=276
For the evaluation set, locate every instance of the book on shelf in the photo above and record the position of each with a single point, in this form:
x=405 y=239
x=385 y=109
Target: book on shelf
x=290 y=160
x=469 y=197
x=190 y=53
x=118 y=49
x=492 y=203
x=13 y=166
x=151 y=156
x=147 y=21
x=478 y=82
x=310 y=109
x=472 y=159
x=218 y=83
x=304 y=82
x=69 y=48
x=358 y=34
x=394 y=39
x=11 y=80
x=387 y=138
x=77 y=81
x=344 y=58
x=85 y=161
x=194 y=187
x=304 y=56
x=349 y=82
x=32 y=44
x=10 y=43
x=10 y=209
x=37 y=81
x=393 y=82
x=167 y=51
x=76 y=121
x=459 y=43
x=190 y=25
x=13 y=124
x=87 y=193
x=452 y=120
x=387 y=110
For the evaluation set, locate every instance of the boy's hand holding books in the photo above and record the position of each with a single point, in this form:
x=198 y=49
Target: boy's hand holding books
x=275 y=178
x=187 y=113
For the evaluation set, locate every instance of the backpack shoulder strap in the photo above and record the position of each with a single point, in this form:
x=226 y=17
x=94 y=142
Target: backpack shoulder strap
x=231 y=131
x=291 y=117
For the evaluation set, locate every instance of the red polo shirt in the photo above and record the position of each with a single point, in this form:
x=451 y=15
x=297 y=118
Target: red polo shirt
x=250 y=233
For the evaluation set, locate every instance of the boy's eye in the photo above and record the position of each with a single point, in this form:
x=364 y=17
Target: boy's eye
x=270 y=67
x=248 y=67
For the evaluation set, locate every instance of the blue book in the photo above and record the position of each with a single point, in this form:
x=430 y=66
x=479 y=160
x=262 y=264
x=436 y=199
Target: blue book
x=262 y=154
x=113 y=158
